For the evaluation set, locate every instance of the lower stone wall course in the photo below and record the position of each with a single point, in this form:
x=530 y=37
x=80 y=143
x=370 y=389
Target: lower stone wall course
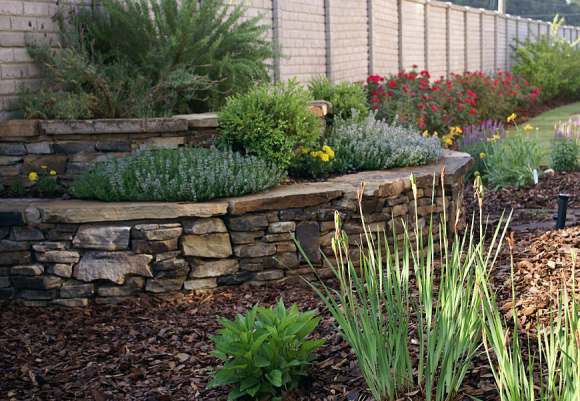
x=97 y=259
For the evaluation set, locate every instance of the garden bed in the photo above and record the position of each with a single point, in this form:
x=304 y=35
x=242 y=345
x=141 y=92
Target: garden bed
x=72 y=252
x=157 y=347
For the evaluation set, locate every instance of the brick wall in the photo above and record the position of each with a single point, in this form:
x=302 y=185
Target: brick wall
x=346 y=39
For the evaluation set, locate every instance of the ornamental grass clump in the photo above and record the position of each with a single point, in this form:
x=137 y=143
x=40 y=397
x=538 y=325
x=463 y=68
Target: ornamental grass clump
x=412 y=316
x=551 y=373
x=185 y=174
x=373 y=144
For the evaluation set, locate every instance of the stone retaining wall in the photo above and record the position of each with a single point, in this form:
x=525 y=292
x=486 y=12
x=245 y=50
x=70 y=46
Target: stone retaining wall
x=74 y=253
x=69 y=147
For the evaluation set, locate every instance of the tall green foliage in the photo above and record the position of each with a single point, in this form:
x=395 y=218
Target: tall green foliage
x=154 y=57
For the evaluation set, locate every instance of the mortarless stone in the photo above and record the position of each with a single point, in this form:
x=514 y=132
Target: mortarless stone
x=248 y=223
x=283 y=247
x=72 y=148
x=215 y=245
x=202 y=269
x=240 y=237
x=204 y=226
x=12 y=149
x=71 y=303
x=27 y=270
x=10 y=160
x=269 y=275
x=38 y=295
x=279 y=237
x=39 y=148
x=61 y=270
x=111 y=300
x=110 y=291
x=164 y=285
x=286 y=260
x=66 y=257
x=257 y=264
x=112 y=266
x=236 y=278
x=36 y=282
x=135 y=282
x=72 y=289
x=7 y=293
x=296 y=214
x=15 y=258
x=308 y=235
x=12 y=246
x=159 y=233
x=26 y=234
x=4 y=281
x=109 y=238
x=49 y=246
x=282 y=227
x=171 y=264
x=113 y=146
x=144 y=246
x=255 y=250
x=200 y=284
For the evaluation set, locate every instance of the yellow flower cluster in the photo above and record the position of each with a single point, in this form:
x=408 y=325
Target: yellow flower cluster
x=495 y=137
x=33 y=175
x=449 y=138
x=326 y=154
x=511 y=118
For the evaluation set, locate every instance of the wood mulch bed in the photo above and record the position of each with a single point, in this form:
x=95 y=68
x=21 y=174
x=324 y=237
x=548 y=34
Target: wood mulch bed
x=158 y=349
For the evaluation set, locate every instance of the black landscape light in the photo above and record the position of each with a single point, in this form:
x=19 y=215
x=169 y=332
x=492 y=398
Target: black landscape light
x=562 y=208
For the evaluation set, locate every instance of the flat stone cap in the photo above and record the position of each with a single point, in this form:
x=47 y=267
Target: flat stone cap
x=202 y=120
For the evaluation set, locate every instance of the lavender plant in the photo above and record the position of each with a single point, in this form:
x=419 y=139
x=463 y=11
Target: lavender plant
x=476 y=139
x=373 y=144
x=185 y=174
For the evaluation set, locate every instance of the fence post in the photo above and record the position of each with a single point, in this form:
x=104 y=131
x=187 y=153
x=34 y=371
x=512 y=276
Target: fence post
x=276 y=30
x=495 y=50
x=465 y=44
x=371 y=43
x=328 y=39
x=400 y=33
x=426 y=35
x=447 y=42
x=481 y=52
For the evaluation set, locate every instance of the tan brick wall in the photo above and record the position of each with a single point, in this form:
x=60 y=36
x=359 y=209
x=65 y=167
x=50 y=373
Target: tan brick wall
x=437 y=40
x=304 y=41
x=385 y=36
x=457 y=40
x=349 y=40
x=413 y=25
x=488 y=42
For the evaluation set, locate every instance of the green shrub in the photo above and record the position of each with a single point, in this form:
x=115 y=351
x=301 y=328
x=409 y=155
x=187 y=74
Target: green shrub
x=344 y=97
x=565 y=153
x=511 y=161
x=185 y=174
x=374 y=145
x=269 y=122
x=58 y=105
x=174 y=57
x=265 y=352
x=313 y=163
x=413 y=323
x=551 y=63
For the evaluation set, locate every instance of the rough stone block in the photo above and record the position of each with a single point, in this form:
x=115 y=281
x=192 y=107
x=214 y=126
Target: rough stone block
x=25 y=233
x=283 y=247
x=282 y=227
x=255 y=250
x=37 y=282
x=110 y=238
x=240 y=237
x=60 y=270
x=269 y=275
x=158 y=233
x=144 y=246
x=15 y=258
x=116 y=291
x=38 y=295
x=4 y=281
x=216 y=245
x=308 y=235
x=248 y=223
x=39 y=148
x=27 y=270
x=71 y=303
x=286 y=260
x=164 y=285
x=65 y=257
x=12 y=149
x=204 y=226
x=203 y=269
x=13 y=246
x=236 y=278
x=200 y=284
x=49 y=246
x=113 y=146
x=76 y=290
x=112 y=266
x=279 y=237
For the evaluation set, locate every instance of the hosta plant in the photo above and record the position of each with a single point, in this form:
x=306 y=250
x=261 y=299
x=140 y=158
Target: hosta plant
x=265 y=352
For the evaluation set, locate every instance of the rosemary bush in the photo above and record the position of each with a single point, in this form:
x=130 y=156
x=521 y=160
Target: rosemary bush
x=373 y=144
x=185 y=174
x=141 y=58
x=379 y=316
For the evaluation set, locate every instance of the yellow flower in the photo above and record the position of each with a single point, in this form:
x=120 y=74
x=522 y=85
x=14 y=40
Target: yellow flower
x=494 y=138
x=511 y=118
x=425 y=133
x=303 y=150
x=448 y=139
x=455 y=131
x=528 y=127
x=436 y=134
x=33 y=176
x=52 y=172
x=328 y=150
x=324 y=157
x=482 y=155
x=43 y=166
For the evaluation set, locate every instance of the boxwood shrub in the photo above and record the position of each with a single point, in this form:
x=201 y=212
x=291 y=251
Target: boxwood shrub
x=185 y=174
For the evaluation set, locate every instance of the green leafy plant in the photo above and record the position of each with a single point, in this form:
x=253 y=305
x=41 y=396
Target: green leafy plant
x=379 y=315
x=552 y=63
x=345 y=97
x=266 y=352
x=565 y=153
x=175 y=57
x=510 y=162
x=184 y=174
x=44 y=182
x=313 y=163
x=372 y=144
x=270 y=122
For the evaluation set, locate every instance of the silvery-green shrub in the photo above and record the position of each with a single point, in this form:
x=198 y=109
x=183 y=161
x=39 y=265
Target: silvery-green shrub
x=373 y=144
x=185 y=174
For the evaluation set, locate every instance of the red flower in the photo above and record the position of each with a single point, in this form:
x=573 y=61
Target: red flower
x=392 y=83
x=434 y=107
x=375 y=99
x=425 y=74
x=472 y=111
x=390 y=93
x=415 y=66
x=376 y=79
x=405 y=88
